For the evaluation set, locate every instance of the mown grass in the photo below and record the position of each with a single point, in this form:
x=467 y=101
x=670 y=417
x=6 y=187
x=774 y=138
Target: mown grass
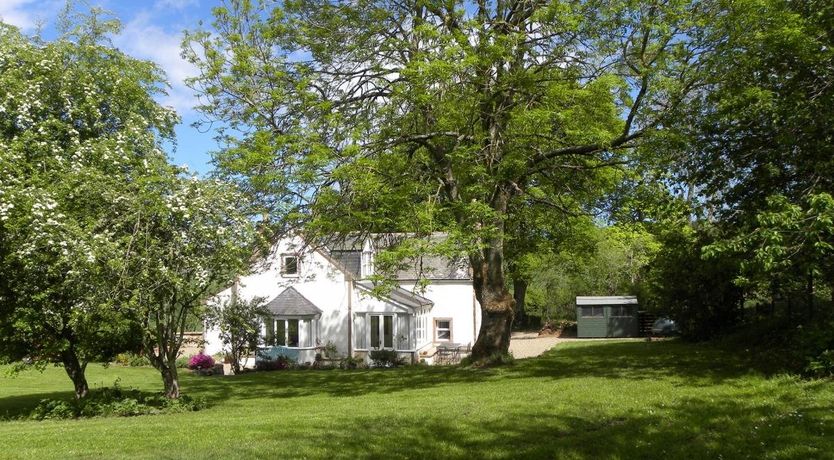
x=581 y=400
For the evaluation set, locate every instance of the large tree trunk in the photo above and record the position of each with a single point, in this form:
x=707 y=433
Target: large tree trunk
x=75 y=371
x=497 y=305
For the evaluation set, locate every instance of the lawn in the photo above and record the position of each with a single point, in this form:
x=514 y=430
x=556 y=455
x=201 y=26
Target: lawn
x=580 y=400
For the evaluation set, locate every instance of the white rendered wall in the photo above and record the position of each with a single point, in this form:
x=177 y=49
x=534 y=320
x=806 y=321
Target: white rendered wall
x=455 y=300
x=318 y=280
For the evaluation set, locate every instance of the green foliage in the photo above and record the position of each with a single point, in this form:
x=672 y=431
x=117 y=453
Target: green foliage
x=756 y=145
x=114 y=402
x=279 y=363
x=132 y=360
x=698 y=292
x=239 y=322
x=822 y=365
x=449 y=117
x=386 y=358
x=351 y=362
x=185 y=238
x=182 y=362
x=79 y=130
x=610 y=261
x=778 y=345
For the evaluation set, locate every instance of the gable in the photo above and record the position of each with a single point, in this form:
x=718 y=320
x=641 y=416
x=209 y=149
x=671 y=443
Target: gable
x=291 y=303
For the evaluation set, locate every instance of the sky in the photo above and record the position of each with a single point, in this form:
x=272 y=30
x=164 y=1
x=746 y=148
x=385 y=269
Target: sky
x=152 y=30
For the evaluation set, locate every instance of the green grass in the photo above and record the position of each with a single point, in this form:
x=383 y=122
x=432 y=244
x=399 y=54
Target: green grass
x=581 y=400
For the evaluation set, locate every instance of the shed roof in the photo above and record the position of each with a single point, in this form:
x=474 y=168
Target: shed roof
x=291 y=303
x=400 y=295
x=607 y=300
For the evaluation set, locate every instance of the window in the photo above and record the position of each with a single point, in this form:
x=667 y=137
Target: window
x=367 y=264
x=593 y=312
x=286 y=332
x=621 y=311
x=443 y=330
x=382 y=331
x=421 y=329
x=289 y=265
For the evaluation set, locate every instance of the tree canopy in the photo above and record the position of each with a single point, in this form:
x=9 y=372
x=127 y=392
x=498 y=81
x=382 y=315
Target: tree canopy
x=78 y=126
x=425 y=116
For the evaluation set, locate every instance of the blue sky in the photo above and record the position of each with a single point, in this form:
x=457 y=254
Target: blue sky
x=152 y=30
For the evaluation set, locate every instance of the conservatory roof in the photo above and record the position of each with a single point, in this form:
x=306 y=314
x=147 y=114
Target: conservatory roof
x=291 y=303
x=400 y=295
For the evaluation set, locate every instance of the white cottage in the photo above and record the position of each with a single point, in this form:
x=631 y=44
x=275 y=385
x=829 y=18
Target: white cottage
x=318 y=296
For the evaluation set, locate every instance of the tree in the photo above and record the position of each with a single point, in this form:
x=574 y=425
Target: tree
x=424 y=116
x=183 y=239
x=78 y=126
x=239 y=322
x=757 y=143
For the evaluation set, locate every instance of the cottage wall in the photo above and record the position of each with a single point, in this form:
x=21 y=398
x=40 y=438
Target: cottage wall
x=318 y=280
x=322 y=282
x=453 y=299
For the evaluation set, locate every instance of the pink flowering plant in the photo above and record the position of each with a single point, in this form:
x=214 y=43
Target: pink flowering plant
x=200 y=361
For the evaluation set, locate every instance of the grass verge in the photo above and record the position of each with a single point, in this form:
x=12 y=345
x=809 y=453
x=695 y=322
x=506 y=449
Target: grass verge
x=580 y=400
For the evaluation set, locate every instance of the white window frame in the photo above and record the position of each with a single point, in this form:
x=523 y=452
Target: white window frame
x=381 y=331
x=421 y=329
x=306 y=326
x=437 y=329
x=284 y=258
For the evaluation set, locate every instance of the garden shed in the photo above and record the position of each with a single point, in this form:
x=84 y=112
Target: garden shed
x=608 y=316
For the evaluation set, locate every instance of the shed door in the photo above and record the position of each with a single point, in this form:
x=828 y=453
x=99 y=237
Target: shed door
x=621 y=320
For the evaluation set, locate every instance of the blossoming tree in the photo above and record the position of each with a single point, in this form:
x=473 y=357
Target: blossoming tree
x=78 y=126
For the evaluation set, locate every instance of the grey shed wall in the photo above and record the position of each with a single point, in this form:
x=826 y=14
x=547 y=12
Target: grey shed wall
x=607 y=325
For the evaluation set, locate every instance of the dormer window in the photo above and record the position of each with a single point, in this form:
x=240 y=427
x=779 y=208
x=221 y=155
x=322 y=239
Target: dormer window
x=367 y=268
x=289 y=265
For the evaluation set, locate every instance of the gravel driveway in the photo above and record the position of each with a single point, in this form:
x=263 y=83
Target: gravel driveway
x=529 y=344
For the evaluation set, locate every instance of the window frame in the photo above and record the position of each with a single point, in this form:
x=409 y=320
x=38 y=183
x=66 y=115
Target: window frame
x=615 y=309
x=381 y=320
x=593 y=309
x=285 y=325
x=284 y=264
x=438 y=329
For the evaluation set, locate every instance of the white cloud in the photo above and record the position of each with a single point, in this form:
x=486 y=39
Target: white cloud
x=175 y=4
x=144 y=40
x=19 y=13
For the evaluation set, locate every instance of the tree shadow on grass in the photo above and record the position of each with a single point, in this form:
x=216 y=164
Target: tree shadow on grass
x=692 y=429
x=697 y=365
x=692 y=365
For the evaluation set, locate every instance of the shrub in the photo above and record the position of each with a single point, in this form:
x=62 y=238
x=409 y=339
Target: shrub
x=200 y=361
x=53 y=409
x=386 y=358
x=114 y=402
x=351 y=362
x=330 y=350
x=182 y=362
x=131 y=360
x=281 y=362
x=822 y=365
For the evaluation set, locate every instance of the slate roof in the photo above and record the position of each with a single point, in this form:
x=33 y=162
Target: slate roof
x=434 y=267
x=348 y=252
x=400 y=295
x=291 y=303
x=351 y=260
